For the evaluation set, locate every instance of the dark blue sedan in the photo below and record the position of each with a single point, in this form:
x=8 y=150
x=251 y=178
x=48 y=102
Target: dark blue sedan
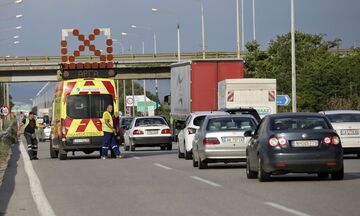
x=294 y=143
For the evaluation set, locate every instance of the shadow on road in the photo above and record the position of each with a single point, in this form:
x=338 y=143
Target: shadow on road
x=227 y=166
x=8 y=185
x=312 y=177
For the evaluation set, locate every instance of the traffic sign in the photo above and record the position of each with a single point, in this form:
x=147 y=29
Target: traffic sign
x=282 y=100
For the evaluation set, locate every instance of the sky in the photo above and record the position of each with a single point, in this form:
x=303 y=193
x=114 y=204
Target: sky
x=43 y=20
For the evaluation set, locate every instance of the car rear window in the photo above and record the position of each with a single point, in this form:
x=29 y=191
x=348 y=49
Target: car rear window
x=199 y=120
x=126 y=121
x=299 y=123
x=230 y=124
x=344 y=117
x=150 y=122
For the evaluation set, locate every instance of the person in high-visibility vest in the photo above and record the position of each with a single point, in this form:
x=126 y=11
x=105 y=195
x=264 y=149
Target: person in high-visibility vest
x=30 y=126
x=109 y=134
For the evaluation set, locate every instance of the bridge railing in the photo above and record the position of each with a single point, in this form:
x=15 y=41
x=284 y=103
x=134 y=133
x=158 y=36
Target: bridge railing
x=135 y=57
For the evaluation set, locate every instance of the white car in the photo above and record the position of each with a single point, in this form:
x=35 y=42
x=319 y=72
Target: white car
x=148 y=132
x=221 y=139
x=347 y=125
x=45 y=133
x=186 y=135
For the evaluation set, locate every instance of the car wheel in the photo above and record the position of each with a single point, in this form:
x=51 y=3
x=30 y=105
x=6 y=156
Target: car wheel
x=132 y=147
x=201 y=164
x=262 y=175
x=169 y=147
x=162 y=148
x=180 y=155
x=338 y=175
x=53 y=153
x=249 y=173
x=323 y=175
x=194 y=162
x=358 y=155
x=188 y=155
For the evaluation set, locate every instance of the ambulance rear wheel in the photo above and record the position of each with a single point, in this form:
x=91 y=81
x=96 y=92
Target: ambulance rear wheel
x=53 y=153
x=63 y=156
x=62 y=153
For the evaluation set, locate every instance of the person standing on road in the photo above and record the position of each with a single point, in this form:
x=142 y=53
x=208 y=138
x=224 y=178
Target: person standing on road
x=30 y=126
x=109 y=134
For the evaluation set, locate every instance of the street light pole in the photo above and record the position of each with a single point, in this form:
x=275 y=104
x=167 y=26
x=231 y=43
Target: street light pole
x=177 y=28
x=148 y=29
x=237 y=29
x=145 y=105
x=293 y=61
x=242 y=26
x=253 y=10
x=203 y=28
x=133 y=98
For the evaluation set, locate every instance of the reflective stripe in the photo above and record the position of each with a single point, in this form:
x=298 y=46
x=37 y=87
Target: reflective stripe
x=29 y=145
x=105 y=147
x=30 y=148
x=114 y=146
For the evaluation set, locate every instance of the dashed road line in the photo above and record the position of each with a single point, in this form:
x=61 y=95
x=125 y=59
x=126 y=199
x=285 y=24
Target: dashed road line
x=206 y=181
x=162 y=166
x=286 y=209
x=37 y=191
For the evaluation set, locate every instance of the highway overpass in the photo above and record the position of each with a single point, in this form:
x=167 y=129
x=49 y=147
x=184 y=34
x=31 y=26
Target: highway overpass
x=139 y=66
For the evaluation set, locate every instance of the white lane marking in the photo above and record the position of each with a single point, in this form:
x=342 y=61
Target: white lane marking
x=206 y=181
x=162 y=166
x=37 y=192
x=292 y=211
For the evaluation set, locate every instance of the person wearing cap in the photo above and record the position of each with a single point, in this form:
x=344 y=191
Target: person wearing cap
x=30 y=126
x=109 y=134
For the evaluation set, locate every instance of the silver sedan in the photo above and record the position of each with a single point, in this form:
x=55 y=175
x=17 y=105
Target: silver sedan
x=221 y=139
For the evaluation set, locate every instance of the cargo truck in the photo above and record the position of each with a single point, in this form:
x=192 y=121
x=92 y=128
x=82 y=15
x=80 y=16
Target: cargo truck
x=194 y=86
x=259 y=94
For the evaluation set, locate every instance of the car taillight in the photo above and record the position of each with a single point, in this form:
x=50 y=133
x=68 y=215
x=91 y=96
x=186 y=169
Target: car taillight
x=191 y=130
x=331 y=140
x=138 y=132
x=278 y=141
x=211 y=141
x=165 y=131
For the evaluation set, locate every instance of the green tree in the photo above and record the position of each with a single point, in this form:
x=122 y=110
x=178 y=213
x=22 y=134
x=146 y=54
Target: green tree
x=322 y=76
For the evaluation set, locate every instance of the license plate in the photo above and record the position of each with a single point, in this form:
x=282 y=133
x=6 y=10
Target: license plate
x=77 y=141
x=233 y=139
x=305 y=143
x=151 y=132
x=349 y=132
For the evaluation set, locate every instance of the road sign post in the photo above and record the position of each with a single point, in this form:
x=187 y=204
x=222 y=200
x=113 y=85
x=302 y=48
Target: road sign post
x=283 y=100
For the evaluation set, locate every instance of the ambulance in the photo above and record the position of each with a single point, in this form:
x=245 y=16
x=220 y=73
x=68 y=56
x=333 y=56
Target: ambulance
x=77 y=112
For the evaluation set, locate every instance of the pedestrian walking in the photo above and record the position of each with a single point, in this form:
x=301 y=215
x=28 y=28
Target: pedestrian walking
x=30 y=126
x=109 y=134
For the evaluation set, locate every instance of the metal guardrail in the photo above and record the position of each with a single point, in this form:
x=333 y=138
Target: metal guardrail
x=134 y=57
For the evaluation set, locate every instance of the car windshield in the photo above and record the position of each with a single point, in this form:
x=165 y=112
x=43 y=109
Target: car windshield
x=344 y=117
x=150 y=122
x=298 y=123
x=230 y=124
x=87 y=106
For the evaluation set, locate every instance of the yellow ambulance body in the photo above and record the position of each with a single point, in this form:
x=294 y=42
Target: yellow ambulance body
x=77 y=111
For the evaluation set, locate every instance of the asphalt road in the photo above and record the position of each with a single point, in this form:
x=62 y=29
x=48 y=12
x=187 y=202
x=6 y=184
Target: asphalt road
x=153 y=182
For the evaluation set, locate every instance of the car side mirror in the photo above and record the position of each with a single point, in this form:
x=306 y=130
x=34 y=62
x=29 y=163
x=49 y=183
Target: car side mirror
x=249 y=133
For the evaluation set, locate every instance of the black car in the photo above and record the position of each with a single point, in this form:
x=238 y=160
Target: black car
x=294 y=143
x=242 y=111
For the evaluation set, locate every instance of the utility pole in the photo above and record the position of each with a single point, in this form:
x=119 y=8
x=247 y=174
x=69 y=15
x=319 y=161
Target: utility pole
x=293 y=60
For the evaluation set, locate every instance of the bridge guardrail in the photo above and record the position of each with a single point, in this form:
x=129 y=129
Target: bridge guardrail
x=135 y=57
